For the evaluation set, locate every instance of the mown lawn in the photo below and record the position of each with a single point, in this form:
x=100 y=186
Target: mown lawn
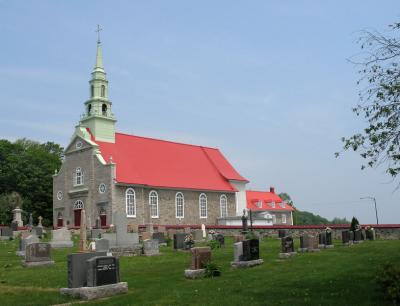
x=340 y=276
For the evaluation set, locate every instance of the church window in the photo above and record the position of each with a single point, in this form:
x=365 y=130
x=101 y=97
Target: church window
x=104 y=109
x=103 y=91
x=78 y=176
x=203 y=205
x=130 y=200
x=273 y=204
x=223 y=203
x=283 y=218
x=92 y=91
x=179 y=204
x=273 y=219
x=102 y=188
x=78 y=205
x=153 y=202
x=89 y=109
x=59 y=195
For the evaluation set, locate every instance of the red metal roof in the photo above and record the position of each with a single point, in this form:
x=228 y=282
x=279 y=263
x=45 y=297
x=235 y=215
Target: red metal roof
x=261 y=200
x=160 y=163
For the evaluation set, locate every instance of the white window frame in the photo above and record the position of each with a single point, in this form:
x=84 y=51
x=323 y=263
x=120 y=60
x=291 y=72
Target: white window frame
x=132 y=195
x=283 y=204
x=153 y=195
x=284 y=219
x=223 y=210
x=202 y=196
x=273 y=219
x=273 y=204
x=181 y=196
x=78 y=176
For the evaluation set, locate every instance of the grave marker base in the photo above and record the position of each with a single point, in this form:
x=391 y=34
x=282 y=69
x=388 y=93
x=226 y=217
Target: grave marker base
x=61 y=244
x=28 y=264
x=247 y=264
x=287 y=255
x=91 y=293
x=331 y=246
x=193 y=274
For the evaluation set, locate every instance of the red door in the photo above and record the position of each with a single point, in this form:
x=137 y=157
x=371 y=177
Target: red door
x=60 y=222
x=103 y=220
x=77 y=217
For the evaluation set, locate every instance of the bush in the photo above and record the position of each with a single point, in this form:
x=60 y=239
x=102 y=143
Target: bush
x=212 y=269
x=213 y=244
x=388 y=279
x=251 y=235
x=354 y=224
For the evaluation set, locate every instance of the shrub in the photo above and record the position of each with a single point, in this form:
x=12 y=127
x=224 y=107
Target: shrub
x=251 y=235
x=388 y=279
x=354 y=224
x=212 y=269
x=213 y=244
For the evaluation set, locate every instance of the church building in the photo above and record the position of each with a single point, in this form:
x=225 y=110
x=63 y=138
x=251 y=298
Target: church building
x=149 y=180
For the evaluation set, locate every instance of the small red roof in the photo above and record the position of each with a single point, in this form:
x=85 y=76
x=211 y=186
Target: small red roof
x=160 y=163
x=262 y=200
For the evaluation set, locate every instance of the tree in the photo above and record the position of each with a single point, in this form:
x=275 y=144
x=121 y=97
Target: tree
x=27 y=167
x=379 y=142
x=354 y=224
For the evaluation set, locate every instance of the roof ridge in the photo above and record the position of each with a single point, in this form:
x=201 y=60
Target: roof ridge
x=169 y=141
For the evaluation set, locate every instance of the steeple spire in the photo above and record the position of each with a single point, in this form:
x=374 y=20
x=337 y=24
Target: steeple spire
x=99 y=52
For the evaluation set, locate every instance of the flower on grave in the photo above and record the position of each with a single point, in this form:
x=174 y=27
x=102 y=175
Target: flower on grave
x=371 y=229
x=211 y=232
x=367 y=228
x=189 y=239
x=328 y=229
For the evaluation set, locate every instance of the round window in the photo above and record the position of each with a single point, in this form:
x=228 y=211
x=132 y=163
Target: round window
x=102 y=188
x=79 y=144
x=59 y=195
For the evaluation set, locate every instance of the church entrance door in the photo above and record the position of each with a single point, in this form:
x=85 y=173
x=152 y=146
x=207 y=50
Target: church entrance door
x=103 y=220
x=60 y=222
x=77 y=217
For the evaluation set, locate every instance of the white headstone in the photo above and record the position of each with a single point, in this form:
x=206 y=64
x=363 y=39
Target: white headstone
x=203 y=228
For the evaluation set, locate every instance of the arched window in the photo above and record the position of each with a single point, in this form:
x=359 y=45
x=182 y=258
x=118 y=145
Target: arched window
x=104 y=109
x=130 y=201
x=103 y=91
x=89 y=109
x=153 y=202
x=203 y=205
x=92 y=91
x=223 y=204
x=78 y=177
x=179 y=205
x=78 y=205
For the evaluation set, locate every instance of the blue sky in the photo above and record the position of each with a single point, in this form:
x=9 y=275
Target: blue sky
x=267 y=82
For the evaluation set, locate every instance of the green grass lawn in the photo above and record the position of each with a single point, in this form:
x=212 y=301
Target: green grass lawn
x=339 y=276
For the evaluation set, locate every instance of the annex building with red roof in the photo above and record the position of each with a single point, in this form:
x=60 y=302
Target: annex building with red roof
x=149 y=180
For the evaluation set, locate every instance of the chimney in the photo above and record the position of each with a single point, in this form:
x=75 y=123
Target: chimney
x=272 y=189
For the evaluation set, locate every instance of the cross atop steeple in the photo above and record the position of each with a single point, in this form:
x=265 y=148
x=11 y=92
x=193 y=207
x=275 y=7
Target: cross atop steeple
x=98 y=33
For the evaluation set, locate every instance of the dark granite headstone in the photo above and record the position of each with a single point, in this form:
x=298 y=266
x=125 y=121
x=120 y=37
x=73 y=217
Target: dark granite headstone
x=220 y=238
x=179 y=241
x=77 y=268
x=345 y=236
x=251 y=250
x=200 y=256
x=351 y=235
x=281 y=233
x=370 y=234
x=160 y=237
x=322 y=238
x=357 y=235
x=38 y=231
x=102 y=270
x=287 y=245
x=328 y=238
x=38 y=251
x=7 y=232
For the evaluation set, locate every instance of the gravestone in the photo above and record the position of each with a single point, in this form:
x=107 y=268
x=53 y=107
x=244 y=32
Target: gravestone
x=328 y=241
x=251 y=249
x=102 y=270
x=17 y=216
x=14 y=226
x=351 y=236
x=370 y=234
x=95 y=233
x=197 y=235
x=6 y=233
x=102 y=245
x=282 y=233
x=151 y=247
x=40 y=218
x=160 y=237
x=200 y=257
x=187 y=230
x=322 y=239
x=304 y=243
x=77 y=268
x=37 y=254
x=146 y=236
x=23 y=242
x=357 y=236
x=61 y=238
x=123 y=238
x=287 y=246
x=220 y=238
x=179 y=241
x=38 y=231
x=346 y=237
x=238 y=251
x=112 y=239
x=312 y=243
x=30 y=224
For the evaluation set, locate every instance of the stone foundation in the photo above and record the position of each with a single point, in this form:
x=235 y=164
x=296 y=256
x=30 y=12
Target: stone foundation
x=287 y=255
x=91 y=293
x=247 y=264
x=193 y=274
x=28 y=264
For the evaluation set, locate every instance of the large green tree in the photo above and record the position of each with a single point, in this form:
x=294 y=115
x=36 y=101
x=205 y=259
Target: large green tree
x=26 y=167
x=379 y=142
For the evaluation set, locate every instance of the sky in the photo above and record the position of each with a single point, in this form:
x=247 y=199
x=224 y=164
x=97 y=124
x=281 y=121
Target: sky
x=269 y=83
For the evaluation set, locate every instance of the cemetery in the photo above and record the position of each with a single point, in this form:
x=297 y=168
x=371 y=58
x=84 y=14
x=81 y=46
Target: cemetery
x=51 y=275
